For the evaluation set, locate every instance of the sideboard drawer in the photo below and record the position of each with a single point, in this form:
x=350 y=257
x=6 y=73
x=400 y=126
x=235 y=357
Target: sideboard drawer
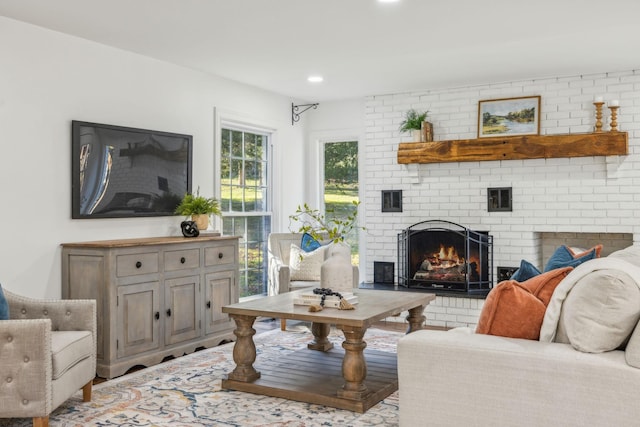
x=136 y=264
x=181 y=260
x=219 y=255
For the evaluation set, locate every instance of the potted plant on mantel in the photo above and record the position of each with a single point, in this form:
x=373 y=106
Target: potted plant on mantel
x=199 y=208
x=415 y=123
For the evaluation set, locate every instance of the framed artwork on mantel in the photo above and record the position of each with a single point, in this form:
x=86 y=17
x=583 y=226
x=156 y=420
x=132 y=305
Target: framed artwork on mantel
x=509 y=117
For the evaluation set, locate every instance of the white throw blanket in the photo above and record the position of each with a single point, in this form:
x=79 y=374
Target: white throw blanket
x=552 y=315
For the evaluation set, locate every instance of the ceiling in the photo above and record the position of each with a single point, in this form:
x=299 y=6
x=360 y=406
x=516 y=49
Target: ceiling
x=360 y=47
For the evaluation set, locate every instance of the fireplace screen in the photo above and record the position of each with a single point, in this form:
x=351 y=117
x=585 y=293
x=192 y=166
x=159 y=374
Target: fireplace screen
x=442 y=255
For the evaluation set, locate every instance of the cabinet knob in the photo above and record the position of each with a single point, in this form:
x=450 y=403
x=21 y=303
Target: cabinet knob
x=208 y=304
x=220 y=255
x=168 y=312
x=157 y=315
x=138 y=264
x=182 y=260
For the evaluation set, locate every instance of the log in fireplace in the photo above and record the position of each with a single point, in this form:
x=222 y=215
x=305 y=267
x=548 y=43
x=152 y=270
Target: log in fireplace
x=444 y=256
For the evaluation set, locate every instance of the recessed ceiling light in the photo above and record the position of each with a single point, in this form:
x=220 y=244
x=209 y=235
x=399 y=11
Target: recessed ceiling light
x=315 y=79
x=388 y=1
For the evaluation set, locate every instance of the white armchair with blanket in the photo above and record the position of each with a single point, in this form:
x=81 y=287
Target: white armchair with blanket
x=285 y=274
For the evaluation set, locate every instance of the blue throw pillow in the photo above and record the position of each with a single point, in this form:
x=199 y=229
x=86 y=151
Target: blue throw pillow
x=563 y=257
x=525 y=272
x=4 y=306
x=308 y=243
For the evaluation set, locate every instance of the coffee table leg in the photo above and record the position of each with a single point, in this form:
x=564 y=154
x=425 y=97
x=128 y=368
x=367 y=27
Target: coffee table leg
x=320 y=333
x=354 y=367
x=244 y=350
x=415 y=318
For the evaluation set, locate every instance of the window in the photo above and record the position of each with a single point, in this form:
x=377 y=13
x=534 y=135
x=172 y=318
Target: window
x=340 y=186
x=245 y=203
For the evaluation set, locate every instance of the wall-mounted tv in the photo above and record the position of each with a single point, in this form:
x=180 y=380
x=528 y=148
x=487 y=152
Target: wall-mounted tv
x=120 y=172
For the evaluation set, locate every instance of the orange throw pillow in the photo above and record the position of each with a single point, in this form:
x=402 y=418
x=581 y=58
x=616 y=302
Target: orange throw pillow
x=511 y=310
x=598 y=249
x=543 y=285
x=516 y=310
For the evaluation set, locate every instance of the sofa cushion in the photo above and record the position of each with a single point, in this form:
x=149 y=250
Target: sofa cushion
x=4 y=306
x=564 y=257
x=543 y=285
x=525 y=272
x=580 y=252
x=516 y=310
x=305 y=265
x=68 y=348
x=630 y=254
x=632 y=352
x=600 y=311
x=511 y=310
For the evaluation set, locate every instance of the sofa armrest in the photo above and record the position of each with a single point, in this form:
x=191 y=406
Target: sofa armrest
x=458 y=379
x=65 y=315
x=25 y=368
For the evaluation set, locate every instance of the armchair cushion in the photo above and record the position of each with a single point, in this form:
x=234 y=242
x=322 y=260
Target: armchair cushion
x=306 y=265
x=4 y=306
x=68 y=348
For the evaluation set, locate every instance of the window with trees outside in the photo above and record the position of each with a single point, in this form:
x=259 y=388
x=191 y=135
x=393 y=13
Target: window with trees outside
x=245 y=203
x=341 y=186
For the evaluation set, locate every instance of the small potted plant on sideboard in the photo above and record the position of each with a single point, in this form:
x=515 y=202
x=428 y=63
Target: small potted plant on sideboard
x=199 y=208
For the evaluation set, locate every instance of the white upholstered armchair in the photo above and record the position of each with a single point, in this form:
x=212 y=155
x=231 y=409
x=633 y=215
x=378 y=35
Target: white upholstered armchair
x=280 y=281
x=47 y=354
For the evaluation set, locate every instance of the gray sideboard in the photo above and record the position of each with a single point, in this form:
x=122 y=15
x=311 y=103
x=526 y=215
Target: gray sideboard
x=156 y=297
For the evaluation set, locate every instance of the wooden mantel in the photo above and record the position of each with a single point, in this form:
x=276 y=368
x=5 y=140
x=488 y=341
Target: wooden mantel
x=515 y=148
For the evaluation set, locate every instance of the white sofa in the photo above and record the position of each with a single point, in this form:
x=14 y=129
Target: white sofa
x=570 y=377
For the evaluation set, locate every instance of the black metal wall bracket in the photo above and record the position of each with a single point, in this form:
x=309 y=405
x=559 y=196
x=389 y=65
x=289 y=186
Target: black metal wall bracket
x=296 y=112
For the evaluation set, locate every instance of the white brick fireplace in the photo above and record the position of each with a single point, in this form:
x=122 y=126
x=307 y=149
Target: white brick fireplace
x=594 y=197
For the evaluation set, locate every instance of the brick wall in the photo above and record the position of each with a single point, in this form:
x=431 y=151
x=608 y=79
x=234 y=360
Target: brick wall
x=574 y=195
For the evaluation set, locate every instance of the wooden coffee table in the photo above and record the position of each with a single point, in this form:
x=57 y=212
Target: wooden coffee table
x=352 y=378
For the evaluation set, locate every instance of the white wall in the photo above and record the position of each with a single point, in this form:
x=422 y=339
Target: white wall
x=48 y=79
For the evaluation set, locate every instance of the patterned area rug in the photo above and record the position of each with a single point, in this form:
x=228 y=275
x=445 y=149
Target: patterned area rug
x=186 y=392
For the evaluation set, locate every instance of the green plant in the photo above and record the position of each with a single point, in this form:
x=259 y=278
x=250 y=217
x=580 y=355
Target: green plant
x=413 y=120
x=198 y=205
x=323 y=228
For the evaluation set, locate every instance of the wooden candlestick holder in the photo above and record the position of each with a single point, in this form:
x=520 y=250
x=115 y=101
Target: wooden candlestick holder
x=598 y=116
x=614 y=118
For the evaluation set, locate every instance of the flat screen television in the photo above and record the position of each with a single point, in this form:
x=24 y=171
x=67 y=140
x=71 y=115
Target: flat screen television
x=120 y=172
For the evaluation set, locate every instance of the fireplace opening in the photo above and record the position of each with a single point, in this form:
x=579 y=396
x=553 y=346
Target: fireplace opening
x=442 y=255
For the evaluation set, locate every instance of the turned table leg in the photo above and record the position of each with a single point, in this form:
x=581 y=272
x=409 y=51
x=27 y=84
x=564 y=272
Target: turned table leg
x=415 y=318
x=354 y=367
x=320 y=333
x=244 y=350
